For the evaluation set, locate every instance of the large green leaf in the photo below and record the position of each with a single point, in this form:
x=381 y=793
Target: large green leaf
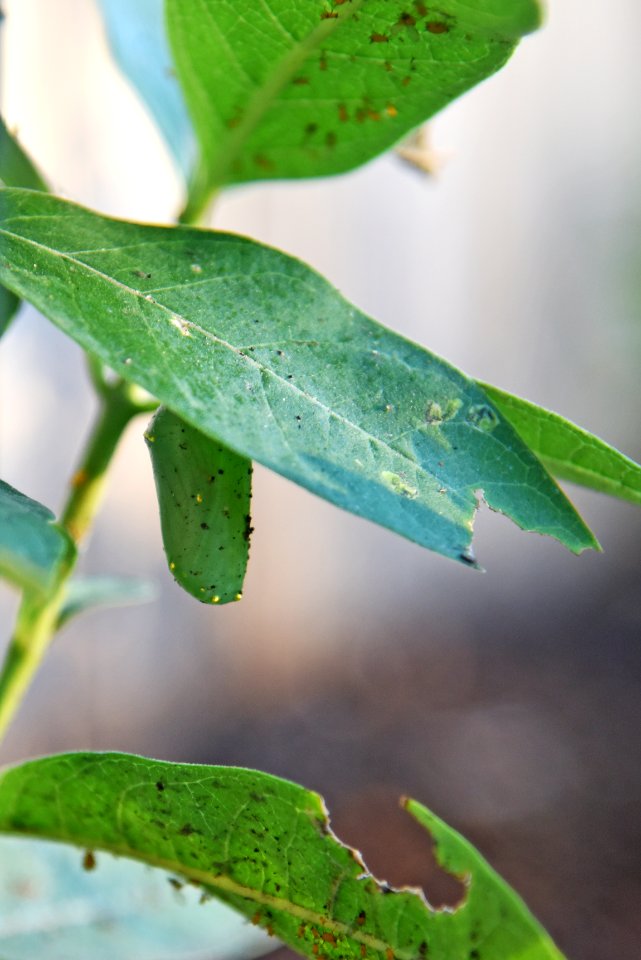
x=136 y=33
x=264 y=846
x=569 y=451
x=204 y=494
x=16 y=170
x=284 y=89
x=255 y=349
x=32 y=545
x=52 y=908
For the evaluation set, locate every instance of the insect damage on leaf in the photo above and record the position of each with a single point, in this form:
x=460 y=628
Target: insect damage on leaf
x=264 y=846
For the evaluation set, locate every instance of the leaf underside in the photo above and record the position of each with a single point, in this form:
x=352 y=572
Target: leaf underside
x=85 y=594
x=255 y=349
x=285 y=89
x=569 y=451
x=32 y=545
x=204 y=494
x=264 y=846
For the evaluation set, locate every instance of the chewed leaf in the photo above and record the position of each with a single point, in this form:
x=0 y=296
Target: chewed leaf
x=569 y=451
x=204 y=494
x=136 y=34
x=256 y=350
x=32 y=545
x=308 y=89
x=264 y=846
x=63 y=903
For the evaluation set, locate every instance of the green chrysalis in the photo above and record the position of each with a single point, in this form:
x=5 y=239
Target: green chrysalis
x=204 y=493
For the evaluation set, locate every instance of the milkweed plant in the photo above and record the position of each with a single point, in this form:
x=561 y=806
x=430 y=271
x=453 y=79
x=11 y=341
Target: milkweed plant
x=235 y=352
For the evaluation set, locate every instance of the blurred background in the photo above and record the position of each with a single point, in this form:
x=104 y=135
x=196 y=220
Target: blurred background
x=357 y=663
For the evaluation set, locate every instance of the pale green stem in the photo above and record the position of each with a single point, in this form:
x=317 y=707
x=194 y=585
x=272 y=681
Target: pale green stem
x=39 y=612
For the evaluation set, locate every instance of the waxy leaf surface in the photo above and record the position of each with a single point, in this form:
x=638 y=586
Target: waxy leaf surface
x=255 y=349
x=284 y=89
x=204 y=494
x=54 y=907
x=264 y=846
x=32 y=545
x=569 y=451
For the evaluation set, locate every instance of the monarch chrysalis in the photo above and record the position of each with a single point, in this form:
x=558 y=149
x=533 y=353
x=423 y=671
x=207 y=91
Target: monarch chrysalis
x=204 y=493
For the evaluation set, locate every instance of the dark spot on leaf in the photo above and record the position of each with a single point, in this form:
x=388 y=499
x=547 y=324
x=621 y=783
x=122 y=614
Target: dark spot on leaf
x=379 y=38
x=328 y=15
x=406 y=20
x=420 y=8
x=330 y=139
x=160 y=786
x=467 y=556
x=176 y=884
x=204 y=526
x=186 y=830
x=361 y=918
x=89 y=860
x=483 y=417
x=300 y=81
x=436 y=27
x=343 y=115
x=263 y=162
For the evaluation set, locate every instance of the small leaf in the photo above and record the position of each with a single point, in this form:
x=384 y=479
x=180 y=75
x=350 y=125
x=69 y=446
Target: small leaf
x=256 y=350
x=85 y=594
x=204 y=493
x=308 y=89
x=569 y=451
x=51 y=907
x=136 y=34
x=264 y=846
x=32 y=545
x=16 y=170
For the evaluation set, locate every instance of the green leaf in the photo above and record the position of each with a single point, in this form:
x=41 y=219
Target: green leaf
x=137 y=37
x=263 y=845
x=16 y=170
x=16 y=167
x=568 y=451
x=32 y=545
x=9 y=304
x=308 y=89
x=204 y=493
x=51 y=908
x=85 y=594
x=256 y=350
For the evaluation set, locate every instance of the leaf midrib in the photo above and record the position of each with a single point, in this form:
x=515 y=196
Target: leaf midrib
x=207 y=334
x=263 y=98
x=225 y=884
